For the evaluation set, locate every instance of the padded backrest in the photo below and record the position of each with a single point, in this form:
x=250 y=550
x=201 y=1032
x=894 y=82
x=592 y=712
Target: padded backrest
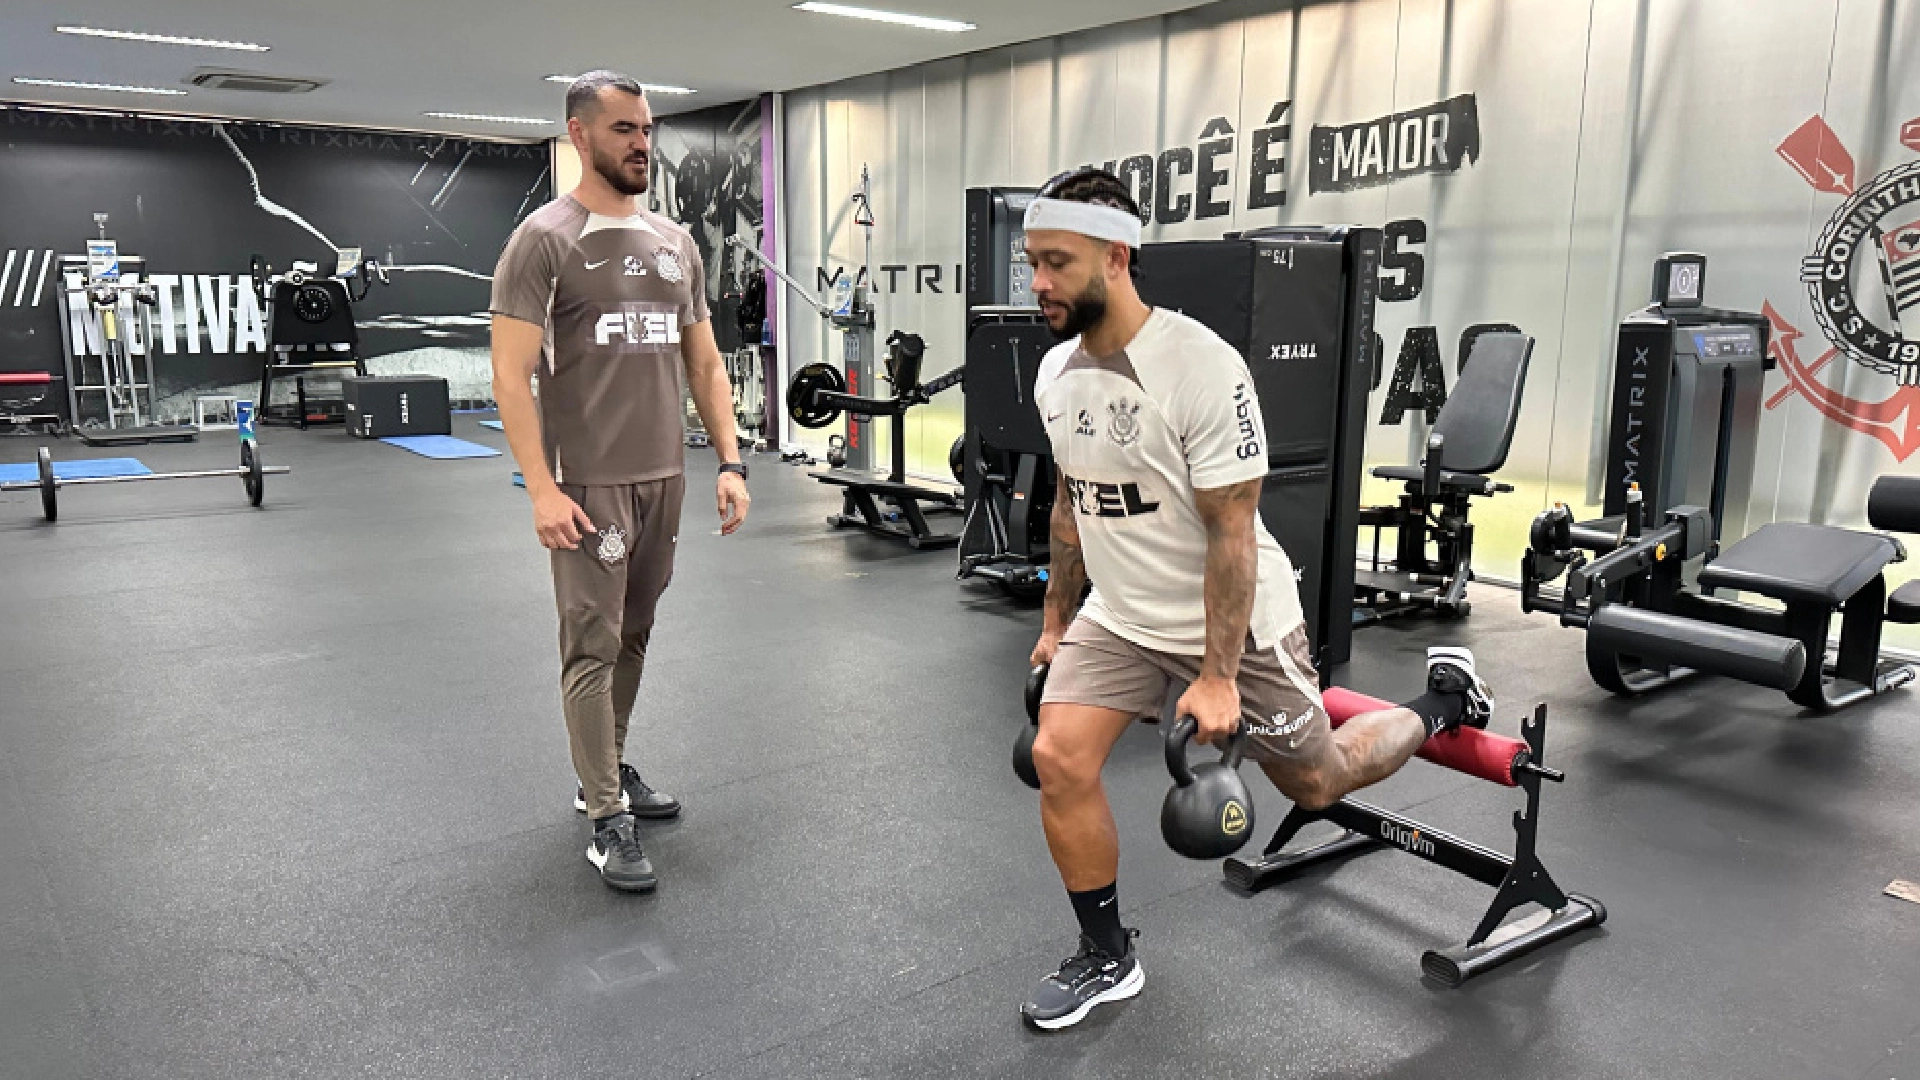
x=1894 y=504
x=903 y=362
x=1479 y=417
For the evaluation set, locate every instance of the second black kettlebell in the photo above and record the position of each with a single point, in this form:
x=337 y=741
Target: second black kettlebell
x=1023 y=746
x=1208 y=813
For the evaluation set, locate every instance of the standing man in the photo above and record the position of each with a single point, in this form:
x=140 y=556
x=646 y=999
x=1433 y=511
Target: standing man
x=1161 y=450
x=606 y=302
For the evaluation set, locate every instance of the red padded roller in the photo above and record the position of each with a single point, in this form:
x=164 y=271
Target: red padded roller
x=1467 y=750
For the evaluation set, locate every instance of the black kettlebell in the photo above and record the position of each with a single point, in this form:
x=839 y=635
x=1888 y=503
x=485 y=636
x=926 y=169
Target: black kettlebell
x=1023 y=746
x=1208 y=813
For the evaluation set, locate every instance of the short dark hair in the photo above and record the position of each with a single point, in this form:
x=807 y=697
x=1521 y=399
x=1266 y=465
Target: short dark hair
x=583 y=96
x=1100 y=188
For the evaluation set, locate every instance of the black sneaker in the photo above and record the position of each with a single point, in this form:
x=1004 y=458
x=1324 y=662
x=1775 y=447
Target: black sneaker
x=1090 y=977
x=1450 y=671
x=616 y=851
x=636 y=797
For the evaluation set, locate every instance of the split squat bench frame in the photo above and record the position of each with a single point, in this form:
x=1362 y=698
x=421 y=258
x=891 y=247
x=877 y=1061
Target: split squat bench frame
x=1519 y=878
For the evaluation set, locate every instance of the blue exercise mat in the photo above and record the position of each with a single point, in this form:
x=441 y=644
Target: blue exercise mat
x=441 y=447
x=78 y=469
x=494 y=424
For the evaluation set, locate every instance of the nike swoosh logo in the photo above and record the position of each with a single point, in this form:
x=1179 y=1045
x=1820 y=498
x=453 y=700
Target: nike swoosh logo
x=598 y=265
x=1055 y=416
x=1104 y=903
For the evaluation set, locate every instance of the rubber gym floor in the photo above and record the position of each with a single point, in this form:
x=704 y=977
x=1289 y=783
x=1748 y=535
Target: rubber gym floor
x=285 y=792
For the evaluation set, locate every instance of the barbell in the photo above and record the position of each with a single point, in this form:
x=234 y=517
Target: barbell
x=252 y=472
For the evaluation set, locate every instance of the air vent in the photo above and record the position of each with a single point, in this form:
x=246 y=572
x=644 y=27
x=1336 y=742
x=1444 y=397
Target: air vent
x=254 y=83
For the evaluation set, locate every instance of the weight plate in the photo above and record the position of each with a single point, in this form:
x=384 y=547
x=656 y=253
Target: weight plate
x=312 y=304
x=807 y=382
x=255 y=477
x=49 y=501
x=957 y=460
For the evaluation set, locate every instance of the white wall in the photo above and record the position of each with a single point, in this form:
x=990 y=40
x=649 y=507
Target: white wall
x=1610 y=131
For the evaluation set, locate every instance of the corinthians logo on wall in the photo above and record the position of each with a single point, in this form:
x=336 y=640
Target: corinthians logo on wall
x=1870 y=245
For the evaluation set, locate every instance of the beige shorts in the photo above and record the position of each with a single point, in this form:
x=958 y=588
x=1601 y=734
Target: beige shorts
x=1279 y=692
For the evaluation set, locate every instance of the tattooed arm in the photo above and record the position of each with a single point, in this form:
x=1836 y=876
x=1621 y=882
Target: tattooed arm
x=1066 y=573
x=1231 y=575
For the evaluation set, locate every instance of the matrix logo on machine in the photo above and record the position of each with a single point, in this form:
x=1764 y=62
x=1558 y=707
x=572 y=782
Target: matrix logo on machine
x=1871 y=243
x=637 y=326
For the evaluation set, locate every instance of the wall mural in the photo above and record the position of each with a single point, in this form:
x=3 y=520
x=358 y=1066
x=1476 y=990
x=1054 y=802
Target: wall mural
x=1528 y=160
x=197 y=199
x=707 y=176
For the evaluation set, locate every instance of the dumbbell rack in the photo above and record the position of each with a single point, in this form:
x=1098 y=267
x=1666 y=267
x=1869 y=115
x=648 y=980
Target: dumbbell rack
x=126 y=388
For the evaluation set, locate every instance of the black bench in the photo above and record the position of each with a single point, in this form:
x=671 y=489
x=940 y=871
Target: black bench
x=1646 y=627
x=1470 y=441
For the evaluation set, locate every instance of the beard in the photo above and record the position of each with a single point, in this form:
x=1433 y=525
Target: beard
x=614 y=171
x=1083 y=312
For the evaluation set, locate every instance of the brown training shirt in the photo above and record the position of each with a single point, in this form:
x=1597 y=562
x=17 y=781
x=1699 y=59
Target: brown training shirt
x=614 y=295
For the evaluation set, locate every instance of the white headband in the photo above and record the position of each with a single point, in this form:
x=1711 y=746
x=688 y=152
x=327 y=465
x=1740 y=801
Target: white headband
x=1087 y=219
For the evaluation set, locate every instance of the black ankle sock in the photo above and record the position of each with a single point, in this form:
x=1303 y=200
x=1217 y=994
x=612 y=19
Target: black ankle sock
x=1099 y=913
x=1440 y=709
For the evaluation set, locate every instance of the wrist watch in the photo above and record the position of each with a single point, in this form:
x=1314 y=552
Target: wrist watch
x=734 y=467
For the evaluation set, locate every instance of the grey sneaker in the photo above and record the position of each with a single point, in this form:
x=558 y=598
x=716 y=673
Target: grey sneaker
x=1089 y=977
x=636 y=797
x=615 y=849
x=1450 y=671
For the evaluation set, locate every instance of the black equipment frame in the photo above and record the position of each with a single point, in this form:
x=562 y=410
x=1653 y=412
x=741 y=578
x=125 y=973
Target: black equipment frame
x=861 y=501
x=1517 y=879
x=1008 y=488
x=1645 y=568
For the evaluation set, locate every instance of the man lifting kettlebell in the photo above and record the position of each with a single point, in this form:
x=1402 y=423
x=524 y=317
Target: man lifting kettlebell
x=1161 y=451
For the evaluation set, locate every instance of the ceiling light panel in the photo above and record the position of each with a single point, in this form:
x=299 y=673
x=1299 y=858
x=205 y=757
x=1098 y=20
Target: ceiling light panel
x=162 y=39
x=118 y=88
x=918 y=22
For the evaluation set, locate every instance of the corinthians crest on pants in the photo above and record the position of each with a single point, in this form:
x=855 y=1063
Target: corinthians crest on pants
x=1863 y=282
x=613 y=545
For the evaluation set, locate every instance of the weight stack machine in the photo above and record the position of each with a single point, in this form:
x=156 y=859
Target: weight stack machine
x=1005 y=464
x=1298 y=303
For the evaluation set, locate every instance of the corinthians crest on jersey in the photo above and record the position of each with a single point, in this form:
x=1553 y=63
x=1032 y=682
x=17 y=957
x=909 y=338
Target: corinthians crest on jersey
x=1125 y=426
x=666 y=263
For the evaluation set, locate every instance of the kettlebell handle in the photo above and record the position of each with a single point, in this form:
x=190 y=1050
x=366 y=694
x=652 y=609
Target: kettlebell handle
x=1036 y=687
x=1182 y=733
